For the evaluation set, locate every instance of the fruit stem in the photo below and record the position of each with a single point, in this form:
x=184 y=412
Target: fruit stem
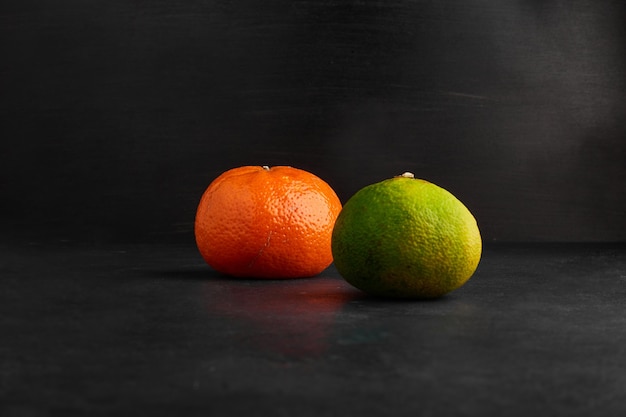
x=265 y=167
x=408 y=175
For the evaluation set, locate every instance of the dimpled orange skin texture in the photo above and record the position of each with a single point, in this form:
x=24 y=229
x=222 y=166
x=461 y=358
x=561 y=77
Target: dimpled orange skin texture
x=261 y=222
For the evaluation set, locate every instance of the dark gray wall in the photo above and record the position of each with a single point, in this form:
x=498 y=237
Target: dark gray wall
x=117 y=114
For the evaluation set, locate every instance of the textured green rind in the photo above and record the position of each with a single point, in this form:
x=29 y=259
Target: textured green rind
x=406 y=237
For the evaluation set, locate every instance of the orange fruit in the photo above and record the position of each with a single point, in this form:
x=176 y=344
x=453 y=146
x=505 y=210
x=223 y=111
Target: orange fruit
x=262 y=222
x=406 y=237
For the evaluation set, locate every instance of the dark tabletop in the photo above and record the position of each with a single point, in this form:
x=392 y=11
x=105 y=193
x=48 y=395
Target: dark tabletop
x=152 y=330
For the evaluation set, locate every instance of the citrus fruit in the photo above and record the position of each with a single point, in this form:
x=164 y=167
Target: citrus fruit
x=262 y=222
x=406 y=237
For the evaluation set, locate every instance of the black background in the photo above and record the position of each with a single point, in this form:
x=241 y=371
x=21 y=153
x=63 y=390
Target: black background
x=117 y=114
